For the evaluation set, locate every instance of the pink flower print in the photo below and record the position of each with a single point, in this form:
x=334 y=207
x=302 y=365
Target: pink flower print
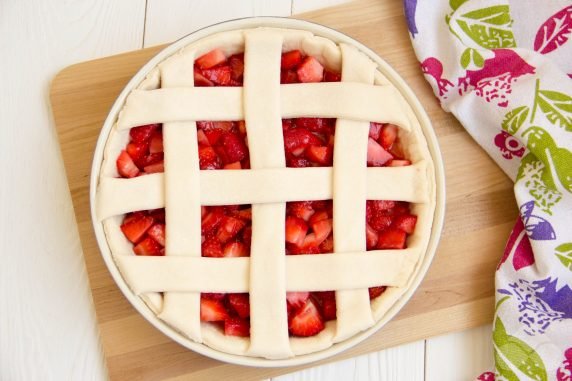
x=434 y=68
x=493 y=81
x=509 y=145
x=519 y=244
x=564 y=372
x=487 y=376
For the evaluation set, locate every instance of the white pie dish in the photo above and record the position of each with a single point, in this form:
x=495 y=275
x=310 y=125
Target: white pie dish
x=420 y=268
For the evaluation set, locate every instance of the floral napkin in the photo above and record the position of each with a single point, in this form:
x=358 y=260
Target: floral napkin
x=504 y=69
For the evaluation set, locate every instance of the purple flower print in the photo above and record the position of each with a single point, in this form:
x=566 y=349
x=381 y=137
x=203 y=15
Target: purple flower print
x=493 y=81
x=410 y=6
x=540 y=304
x=538 y=228
x=509 y=145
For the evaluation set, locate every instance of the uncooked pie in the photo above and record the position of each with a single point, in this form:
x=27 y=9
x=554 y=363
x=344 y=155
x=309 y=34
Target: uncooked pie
x=267 y=192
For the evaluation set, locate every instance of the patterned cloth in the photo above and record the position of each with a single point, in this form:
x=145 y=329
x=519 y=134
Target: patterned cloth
x=503 y=68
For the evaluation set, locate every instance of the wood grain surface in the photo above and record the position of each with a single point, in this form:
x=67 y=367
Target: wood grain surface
x=456 y=294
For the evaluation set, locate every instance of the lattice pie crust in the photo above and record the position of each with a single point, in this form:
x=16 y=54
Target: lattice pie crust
x=171 y=285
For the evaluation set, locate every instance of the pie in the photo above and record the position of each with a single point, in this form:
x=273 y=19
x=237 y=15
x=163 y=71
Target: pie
x=266 y=192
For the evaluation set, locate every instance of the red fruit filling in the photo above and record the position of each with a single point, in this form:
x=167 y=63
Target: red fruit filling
x=226 y=230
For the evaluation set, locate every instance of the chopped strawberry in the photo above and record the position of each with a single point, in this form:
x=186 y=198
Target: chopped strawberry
x=236 y=63
x=298 y=162
x=154 y=158
x=301 y=209
x=296 y=229
x=316 y=124
x=211 y=221
x=201 y=80
x=137 y=152
x=142 y=133
x=380 y=222
x=311 y=244
x=125 y=165
x=208 y=158
x=291 y=59
x=229 y=228
x=371 y=237
x=135 y=229
x=225 y=126
x=288 y=76
x=233 y=146
x=210 y=59
x=375 y=130
x=236 y=327
x=213 y=310
x=320 y=155
x=130 y=217
x=157 y=232
x=241 y=125
x=235 y=165
x=310 y=70
x=326 y=301
x=202 y=138
x=155 y=168
x=240 y=303
x=400 y=208
x=148 y=247
x=398 y=163
x=213 y=136
x=299 y=138
x=405 y=222
x=322 y=205
x=235 y=249
x=247 y=235
x=213 y=295
x=374 y=292
x=330 y=76
x=322 y=230
x=158 y=215
x=245 y=214
x=156 y=142
x=307 y=322
x=296 y=300
x=391 y=238
x=327 y=246
x=220 y=75
x=318 y=216
x=388 y=136
x=211 y=248
x=376 y=155
x=382 y=205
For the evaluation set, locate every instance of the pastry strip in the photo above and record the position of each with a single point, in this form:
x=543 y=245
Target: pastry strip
x=350 y=191
x=268 y=319
x=303 y=272
x=182 y=201
x=259 y=186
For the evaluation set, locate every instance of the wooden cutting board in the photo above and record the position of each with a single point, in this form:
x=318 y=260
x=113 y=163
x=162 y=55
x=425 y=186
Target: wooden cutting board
x=457 y=292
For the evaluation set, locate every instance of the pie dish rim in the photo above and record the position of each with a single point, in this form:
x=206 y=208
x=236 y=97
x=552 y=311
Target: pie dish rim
x=392 y=76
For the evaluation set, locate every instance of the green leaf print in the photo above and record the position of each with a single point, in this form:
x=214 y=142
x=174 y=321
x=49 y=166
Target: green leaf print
x=557 y=107
x=564 y=254
x=456 y=3
x=531 y=172
x=514 y=119
x=503 y=368
x=557 y=160
x=515 y=353
x=489 y=28
x=471 y=55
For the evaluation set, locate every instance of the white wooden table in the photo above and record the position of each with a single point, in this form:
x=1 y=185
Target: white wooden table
x=47 y=322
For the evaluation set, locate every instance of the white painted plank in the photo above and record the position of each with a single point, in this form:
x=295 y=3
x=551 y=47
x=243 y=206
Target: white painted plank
x=299 y=6
x=405 y=362
x=47 y=323
x=460 y=356
x=169 y=20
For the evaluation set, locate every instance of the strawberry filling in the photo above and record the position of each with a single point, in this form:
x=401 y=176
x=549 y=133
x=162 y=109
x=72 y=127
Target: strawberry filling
x=226 y=230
